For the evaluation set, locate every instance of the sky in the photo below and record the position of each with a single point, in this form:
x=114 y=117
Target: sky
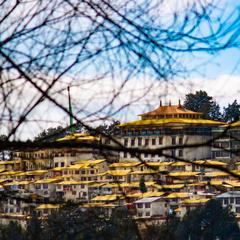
x=216 y=73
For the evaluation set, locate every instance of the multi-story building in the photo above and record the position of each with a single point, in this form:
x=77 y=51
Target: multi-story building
x=226 y=144
x=169 y=126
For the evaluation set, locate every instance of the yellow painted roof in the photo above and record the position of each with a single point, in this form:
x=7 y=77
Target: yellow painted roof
x=195 y=201
x=177 y=195
x=215 y=182
x=9 y=162
x=179 y=164
x=83 y=164
x=216 y=174
x=124 y=164
x=11 y=173
x=169 y=121
x=118 y=172
x=79 y=137
x=57 y=169
x=171 y=186
x=178 y=209
x=98 y=204
x=106 y=198
x=146 y=194
x=72 y=182
x=183 y=174
x=148 y=171
x=48 y=206
x=47 y=180
x=153 y=164
x=17 y=183
x=210 y=162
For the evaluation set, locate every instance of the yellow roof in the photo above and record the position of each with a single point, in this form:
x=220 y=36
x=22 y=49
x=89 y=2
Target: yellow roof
x=180 y=164
x=97 y=204
x=215 y=182
x=72 y=182
x=146 y=194
x=17 y=183
x=235 y=124
x=153 y=194
x=118 y=172
x=183 y=174
x=171 y=186
x=178 y=209
x=124 y=164
x=9 y=162
x=106 y=198
x=79 y=137
x=169 y=121
x=32 y=173
x=153 y=164
x=48 y=180
x=83 y=164
x=195 y=201
x=57 y=169
x=11 y=173
x=177 y=195
x=216 y=174
x=148 y=171
x=210 y=162
x=48 y=206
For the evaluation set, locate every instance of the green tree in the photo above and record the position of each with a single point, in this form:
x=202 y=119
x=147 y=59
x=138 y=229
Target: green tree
x=201 y=102
x=50 y=134
x=142 y=185
x=12 y=231
x=231 y=112
x=34 y=229
x=208 y=222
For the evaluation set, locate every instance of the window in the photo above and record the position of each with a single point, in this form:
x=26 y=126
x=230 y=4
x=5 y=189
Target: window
x=62 y=164
x=180 y=152
x=139 y=141
x=147 y=205
x=45 y=186
x=225 y=201
x=125 y=154
x=146 y=142
x=125 y=142
x=173 y=140
x=238 y=209
x=140 y=214
x=153 y=141
x=145 y=155
x=180 y=141
x=173 y=153
x=147 y=214
x=77 y=172
x=231 y=200
x=153 y=155
x=56 y=164
x=132 y=142
x=140 y=205
x=160 y=141
x=237 y=200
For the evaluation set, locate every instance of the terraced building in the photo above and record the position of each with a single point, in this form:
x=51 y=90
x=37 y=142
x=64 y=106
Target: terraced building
x=173 y=127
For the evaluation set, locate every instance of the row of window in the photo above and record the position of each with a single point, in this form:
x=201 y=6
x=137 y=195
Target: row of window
x=150 y=141
x=168 y=131
x=174 y=153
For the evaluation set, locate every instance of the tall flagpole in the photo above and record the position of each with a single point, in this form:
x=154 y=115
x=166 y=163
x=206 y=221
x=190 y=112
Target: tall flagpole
x=70 y=110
